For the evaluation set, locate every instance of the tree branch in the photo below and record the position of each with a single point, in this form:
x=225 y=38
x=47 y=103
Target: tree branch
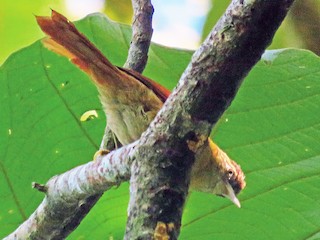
x=160 y=178
x=141 y=35
x=161 y=172
x=58 y=226
x=137 y=53
x=67 y=195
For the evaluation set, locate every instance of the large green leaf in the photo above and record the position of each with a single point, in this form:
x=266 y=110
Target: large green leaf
x=271 y=129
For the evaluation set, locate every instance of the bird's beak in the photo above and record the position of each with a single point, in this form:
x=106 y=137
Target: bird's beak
x=229 y=193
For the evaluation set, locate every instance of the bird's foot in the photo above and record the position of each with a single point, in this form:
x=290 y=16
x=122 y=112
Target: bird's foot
x=100 y=152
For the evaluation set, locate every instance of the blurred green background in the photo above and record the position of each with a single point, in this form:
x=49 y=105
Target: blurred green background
x=273 y=124
x=18 y=29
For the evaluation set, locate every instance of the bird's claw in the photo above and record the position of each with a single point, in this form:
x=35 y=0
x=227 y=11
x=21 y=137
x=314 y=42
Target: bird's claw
x=100 y=152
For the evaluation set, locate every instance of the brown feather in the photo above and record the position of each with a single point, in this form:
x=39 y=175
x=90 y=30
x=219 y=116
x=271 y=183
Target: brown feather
x=132 y=100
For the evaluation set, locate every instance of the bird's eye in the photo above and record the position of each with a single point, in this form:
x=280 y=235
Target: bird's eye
x=230 y=174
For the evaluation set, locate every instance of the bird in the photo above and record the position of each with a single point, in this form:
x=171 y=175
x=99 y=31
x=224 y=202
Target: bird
x=131 y=101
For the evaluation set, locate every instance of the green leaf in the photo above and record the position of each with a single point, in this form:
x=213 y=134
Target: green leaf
x=271 y=129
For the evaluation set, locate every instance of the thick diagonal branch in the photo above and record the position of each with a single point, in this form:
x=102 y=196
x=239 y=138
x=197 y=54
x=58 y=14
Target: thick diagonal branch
x=160 y=175
x=159 y=181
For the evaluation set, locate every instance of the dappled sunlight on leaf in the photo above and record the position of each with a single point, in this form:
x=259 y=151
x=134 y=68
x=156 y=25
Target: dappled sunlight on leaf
x=88 y=115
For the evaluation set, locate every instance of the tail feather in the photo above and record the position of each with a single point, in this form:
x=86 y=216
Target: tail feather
x=64 y=39
x=127 y=88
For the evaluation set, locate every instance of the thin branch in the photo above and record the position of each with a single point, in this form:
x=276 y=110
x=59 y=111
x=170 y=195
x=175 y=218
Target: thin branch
x=141 y=35
x=163 y=152
x=67 y=195
x=160 y=178
x=137 y=59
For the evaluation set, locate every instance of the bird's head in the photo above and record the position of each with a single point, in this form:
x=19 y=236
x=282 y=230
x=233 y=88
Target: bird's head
x=218 y=174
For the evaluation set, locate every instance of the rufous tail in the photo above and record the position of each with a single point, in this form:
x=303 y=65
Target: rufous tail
x=64 y=39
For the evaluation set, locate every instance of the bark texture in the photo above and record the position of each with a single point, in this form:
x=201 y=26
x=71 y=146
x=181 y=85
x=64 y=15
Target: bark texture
x=141 y=35
x=165 y=153
x=57 y=219
x=161 y=171
x=68 y=194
